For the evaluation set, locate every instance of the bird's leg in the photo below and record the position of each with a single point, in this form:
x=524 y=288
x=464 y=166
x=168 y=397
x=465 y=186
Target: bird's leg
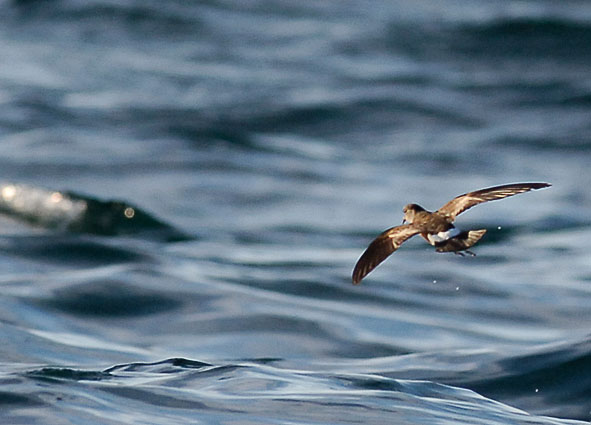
x=461 y=254
x=470 y=252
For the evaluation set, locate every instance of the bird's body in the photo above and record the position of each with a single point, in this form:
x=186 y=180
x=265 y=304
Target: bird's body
x=435 y=227
x=435 y=238
x=438 y=230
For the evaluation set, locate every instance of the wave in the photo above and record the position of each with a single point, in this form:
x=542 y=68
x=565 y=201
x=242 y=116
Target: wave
x=553 y=380
x=109 y=298
x=259 y=391
x=529 y=37
x=71 y=212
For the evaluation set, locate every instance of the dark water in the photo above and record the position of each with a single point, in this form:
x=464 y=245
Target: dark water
x=187 y=186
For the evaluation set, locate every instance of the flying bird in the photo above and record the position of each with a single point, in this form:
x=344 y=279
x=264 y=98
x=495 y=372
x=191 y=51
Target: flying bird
x=435 y=227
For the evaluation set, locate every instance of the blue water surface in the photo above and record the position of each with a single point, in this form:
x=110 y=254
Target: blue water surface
x=185 y=188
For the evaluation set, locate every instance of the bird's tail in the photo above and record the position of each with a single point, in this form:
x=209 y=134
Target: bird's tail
x=463 y=241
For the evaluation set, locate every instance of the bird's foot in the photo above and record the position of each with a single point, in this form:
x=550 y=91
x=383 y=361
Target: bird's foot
x=463 y=254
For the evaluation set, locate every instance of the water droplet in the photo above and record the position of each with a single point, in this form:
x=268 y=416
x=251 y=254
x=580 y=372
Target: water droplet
x=129 y=212
x=457 y=288
x=537 y=390
x=56 y=197
x=434 y=280
x=499 y=228
x=8 y=192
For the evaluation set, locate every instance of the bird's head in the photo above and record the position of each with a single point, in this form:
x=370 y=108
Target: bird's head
x=409 y=212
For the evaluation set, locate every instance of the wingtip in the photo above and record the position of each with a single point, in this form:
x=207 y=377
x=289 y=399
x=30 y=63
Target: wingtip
x=540 y=185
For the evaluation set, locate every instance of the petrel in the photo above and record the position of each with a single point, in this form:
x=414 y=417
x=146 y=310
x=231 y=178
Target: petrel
x=435 y=227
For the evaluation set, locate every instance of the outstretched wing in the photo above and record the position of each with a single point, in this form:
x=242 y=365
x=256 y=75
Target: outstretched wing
x=461 y=203
x=382 y=246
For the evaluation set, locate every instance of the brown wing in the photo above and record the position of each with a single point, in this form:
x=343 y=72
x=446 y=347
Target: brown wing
x=382 y=246
x=461 y=203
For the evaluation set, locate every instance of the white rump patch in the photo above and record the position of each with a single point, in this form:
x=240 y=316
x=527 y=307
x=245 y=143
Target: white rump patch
x=443 y=236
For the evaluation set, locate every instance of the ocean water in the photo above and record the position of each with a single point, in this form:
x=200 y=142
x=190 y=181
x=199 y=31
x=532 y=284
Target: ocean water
x=185 y=188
